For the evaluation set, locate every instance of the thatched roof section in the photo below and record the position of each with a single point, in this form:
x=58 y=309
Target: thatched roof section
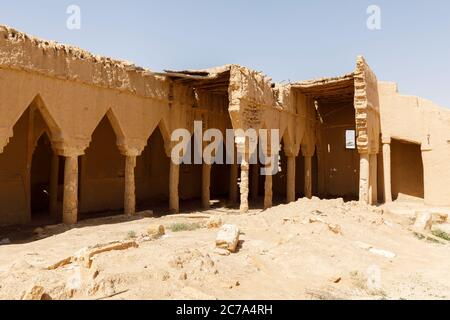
x=328 y=90
x=214 y=80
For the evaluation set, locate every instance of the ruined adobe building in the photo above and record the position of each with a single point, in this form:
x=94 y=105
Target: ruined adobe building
x=81 y=134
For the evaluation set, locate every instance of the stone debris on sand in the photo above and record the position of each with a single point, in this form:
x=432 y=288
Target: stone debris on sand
x=228 y=238
x=156 y=231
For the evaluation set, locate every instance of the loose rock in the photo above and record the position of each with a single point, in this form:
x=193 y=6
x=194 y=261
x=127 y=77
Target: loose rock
x=156 y=231
x=383 y=253
x=222 y=252
x=335 y=228
x=214 y=222
x=424 y=221
x=228 y=238
x=35 y=293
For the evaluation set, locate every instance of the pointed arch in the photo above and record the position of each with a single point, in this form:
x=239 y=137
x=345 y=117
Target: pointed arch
x=38 y=104
x=55 y=130
x=115 y=124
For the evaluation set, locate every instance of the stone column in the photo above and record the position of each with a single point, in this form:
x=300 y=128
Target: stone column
x=255 y=182
x=387 y=169
x=130 y=186
x=373 y=180
x=174 y=180
x=308 y=177
x=364 y=174
x=234 y=174
x=245 y=166
x=290 y=187
x=53 y=188
x=70 y=201
x=206 y=185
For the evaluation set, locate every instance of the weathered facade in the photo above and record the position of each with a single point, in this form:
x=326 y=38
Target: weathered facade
x=81 y=134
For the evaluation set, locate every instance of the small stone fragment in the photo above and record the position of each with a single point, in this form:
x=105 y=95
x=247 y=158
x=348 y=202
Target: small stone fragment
x=35 y=293
x=214 y=222
x=222 y=252
x=228 y=238
x=383 y=253
x=5 y=241
x=335 y=228
x=156 y=231
x=424 y=221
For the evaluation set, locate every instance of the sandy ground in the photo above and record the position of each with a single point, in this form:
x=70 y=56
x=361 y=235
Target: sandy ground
x=287 y=252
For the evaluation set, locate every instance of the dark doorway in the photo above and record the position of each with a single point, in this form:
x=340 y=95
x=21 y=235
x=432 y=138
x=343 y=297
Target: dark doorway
x=152 y=175
x=407 y=170
x=40 y=178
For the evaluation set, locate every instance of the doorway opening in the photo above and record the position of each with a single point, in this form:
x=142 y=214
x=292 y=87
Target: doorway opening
x=407 y=170
x=152 y=175
x=40 y=178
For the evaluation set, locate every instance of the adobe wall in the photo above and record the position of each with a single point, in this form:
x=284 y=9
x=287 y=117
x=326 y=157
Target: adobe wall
x=419 y=121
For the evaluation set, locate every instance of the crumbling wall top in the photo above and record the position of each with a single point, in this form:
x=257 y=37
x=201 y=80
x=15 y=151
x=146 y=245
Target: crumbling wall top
x=20 y=51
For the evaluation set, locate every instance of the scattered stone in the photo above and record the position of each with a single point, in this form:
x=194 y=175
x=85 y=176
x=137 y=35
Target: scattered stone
x=165 y=276
x=222 y=252
x=388 y=223
x=53 y=227
x=85 y=255
x=214 y=222
x=317 y=212
x=146 y=213
x=444 y=227
x=183 y=276
x=35 y=293
x=384 y=253
x=156 y=231
x=376 y=210
x=335 y=228
x=231 y=285
x=5 y=241
x=228 y=238
x=38 y=231
x=424 y=221
x=60 y=264
x=336 y=280
x=440 y=215
x=315 y=220
x=363 y=245
x=402 y=212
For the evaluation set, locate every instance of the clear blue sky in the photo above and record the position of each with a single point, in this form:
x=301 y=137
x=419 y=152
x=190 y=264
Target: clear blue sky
x=287 y=40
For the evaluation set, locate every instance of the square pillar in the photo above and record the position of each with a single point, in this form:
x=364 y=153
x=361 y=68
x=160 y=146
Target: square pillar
x=364 y=175
x=373 y=180
x=387 y=170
